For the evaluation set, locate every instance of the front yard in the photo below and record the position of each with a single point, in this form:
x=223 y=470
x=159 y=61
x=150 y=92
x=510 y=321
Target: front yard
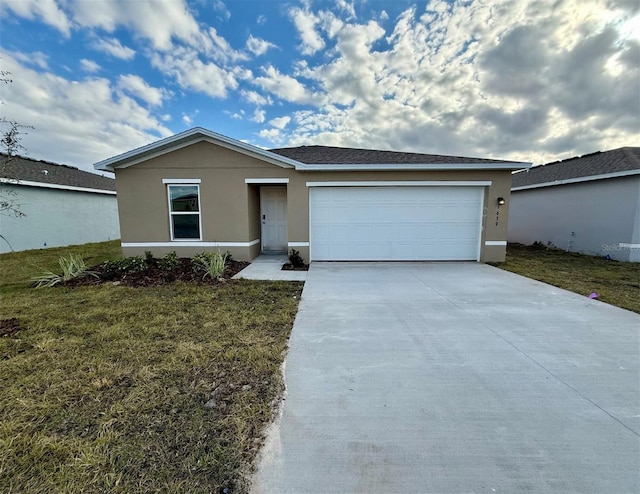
x=616 y=283
x=110 y=388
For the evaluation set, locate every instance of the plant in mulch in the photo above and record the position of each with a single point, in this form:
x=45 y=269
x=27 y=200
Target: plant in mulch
x=169 y=262
x=72 y=267
x=211 y=263
x=208 y=267
x=296 y=262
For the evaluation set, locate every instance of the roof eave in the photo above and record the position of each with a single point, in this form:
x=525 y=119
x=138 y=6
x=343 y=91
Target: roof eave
x=187 y=138
x=412 y=166
x=567 y=181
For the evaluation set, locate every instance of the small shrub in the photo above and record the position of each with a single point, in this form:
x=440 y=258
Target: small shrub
x=116 y=267
x=72 y=267
x=169 y=262
x=212 y=263
x=296 y=260
x=148 y=257
x=228 y=256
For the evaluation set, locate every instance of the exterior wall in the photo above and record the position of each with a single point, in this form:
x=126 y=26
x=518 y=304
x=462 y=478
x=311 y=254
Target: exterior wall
x=587 y=217
x=230 y=208
x=56 y=218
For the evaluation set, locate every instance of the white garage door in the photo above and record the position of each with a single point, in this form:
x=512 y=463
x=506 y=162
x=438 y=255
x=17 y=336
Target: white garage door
x=395 y=223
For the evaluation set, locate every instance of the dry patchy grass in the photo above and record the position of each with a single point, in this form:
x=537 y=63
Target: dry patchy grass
x=617 y=283
x=104 y=387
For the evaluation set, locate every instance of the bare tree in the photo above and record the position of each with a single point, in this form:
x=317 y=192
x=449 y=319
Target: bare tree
x=10 y=139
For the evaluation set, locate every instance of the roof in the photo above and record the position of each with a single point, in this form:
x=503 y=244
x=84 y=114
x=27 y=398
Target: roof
x=309 y=158
x=355 y=156
x=36 y=173
x=595 y=166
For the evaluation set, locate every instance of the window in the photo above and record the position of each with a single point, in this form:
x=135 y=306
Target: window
x=184 y=211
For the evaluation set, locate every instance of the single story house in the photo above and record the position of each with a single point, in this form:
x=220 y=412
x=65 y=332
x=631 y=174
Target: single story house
x=199 y=190
x=62 y=205
x=588 y=204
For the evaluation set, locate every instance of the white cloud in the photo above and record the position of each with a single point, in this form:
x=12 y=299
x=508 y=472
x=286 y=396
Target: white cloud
x=221 y=50
x=273 y=135
x=220 y=7
x=138 y=87
x=187 y=119
x=45 y=10
x=35 y=59
x=113 y=47
x=83 y=121
x=347 y=8
x=283 y=86
x=89 y=66
x=158 y=21
x=280 y=122
x=258 y=46
x=258 y=116
x=255 y=98
x=185 y=65
x=261 y=20
x=305 y=23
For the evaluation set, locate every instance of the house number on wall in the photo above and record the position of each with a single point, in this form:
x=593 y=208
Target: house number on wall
x=497 y=216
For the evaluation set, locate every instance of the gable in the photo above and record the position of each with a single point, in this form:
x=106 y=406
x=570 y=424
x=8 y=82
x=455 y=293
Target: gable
x=204 y=155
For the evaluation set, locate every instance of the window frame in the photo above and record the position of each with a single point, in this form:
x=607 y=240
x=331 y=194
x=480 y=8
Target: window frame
x=178 y=183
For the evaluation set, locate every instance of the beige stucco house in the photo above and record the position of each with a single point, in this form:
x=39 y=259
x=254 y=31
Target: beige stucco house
x=199 y=191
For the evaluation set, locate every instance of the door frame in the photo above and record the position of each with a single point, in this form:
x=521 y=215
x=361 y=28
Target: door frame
x=262 y=212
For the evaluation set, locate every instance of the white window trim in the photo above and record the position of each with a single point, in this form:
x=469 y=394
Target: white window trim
x=417 y=183
x=184 y=181
x=196 y=183
x=494 y=243
x=266 y=180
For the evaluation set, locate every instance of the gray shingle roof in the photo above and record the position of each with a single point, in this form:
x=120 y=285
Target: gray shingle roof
x=599 y=163
x=30 y=170
x=321 y=155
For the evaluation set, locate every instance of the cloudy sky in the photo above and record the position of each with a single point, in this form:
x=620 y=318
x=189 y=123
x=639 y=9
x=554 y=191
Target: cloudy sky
x=534 y=80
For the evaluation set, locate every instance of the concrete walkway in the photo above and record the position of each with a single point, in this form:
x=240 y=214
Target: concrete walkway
x=454 y=378
x=269 y=267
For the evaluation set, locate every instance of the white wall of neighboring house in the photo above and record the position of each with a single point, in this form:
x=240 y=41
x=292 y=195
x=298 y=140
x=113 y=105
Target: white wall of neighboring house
x=57 y=217
x=600 y=217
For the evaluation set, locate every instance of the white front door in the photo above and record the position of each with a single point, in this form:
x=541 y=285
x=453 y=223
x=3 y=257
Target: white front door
x=273 y=216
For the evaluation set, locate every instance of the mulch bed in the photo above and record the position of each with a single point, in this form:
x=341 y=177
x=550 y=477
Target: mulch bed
x=153 y=275
x=291 y=267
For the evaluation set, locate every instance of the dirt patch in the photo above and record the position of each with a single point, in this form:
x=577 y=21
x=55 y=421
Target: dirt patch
x=291 y=267
x=153 y=275
x=9 y=327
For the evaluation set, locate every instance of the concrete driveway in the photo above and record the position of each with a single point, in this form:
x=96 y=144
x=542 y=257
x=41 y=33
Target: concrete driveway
x=452 y=378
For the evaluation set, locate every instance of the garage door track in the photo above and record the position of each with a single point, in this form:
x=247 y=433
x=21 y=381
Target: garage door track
x=451 y=378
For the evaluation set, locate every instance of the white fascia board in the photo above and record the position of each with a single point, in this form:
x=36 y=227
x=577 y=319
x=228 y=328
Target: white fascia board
x=266 y=180
x=187 y=138
x=43 y=185
x=401 y=183
x=604 y=176
x=412 y=166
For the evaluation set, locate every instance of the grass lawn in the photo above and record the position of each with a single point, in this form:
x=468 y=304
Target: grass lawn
x=104 y=387
x=617 y=283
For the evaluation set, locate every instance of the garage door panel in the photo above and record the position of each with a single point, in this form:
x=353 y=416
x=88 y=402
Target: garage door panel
x=395 y=223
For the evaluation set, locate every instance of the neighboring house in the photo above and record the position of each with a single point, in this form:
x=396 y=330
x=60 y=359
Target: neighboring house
x=588 y=204
x=62 y=206
x=199 y=191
